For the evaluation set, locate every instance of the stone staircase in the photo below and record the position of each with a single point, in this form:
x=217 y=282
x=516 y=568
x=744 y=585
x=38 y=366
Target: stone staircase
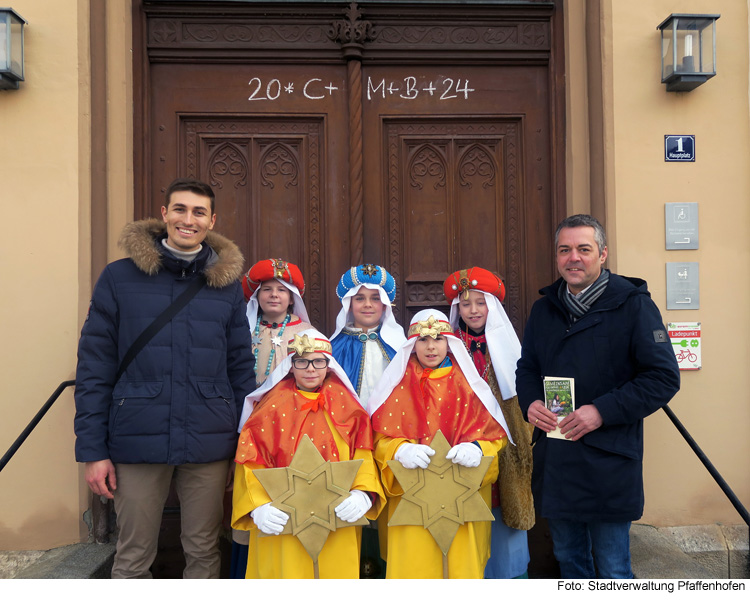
x=696 y=552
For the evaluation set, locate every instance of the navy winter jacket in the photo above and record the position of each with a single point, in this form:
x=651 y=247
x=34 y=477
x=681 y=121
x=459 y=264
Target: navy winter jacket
x=623 y=363
x=179 y=400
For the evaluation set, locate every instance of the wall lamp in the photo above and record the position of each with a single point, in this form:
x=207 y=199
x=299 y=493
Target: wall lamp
x=688 y=50
x=11 y=48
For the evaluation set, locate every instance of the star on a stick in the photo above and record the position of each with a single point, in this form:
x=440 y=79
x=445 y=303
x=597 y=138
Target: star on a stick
x=308 y=490
x=441 y=497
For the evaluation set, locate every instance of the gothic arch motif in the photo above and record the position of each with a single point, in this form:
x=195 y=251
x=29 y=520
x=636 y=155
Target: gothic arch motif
x=476 y=161
x=279 y=161
x=227 y=160
x=427 y=161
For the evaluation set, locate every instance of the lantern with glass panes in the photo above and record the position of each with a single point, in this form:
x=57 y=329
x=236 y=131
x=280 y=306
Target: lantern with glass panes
x=11 y=48
x=688 y=50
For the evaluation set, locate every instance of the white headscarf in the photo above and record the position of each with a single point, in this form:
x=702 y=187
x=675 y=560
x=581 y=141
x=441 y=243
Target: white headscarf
x=502 y=342
x=391 y=332
x=282 y=370
x=395 y=372
x=253 y=306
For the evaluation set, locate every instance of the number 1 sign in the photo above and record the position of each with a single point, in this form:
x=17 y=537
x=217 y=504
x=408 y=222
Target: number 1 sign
x=679 y=148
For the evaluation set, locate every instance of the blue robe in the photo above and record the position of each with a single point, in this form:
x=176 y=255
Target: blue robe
x=347 y=350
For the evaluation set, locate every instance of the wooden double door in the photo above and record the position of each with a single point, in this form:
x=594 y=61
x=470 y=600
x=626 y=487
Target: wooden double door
x=422 y=137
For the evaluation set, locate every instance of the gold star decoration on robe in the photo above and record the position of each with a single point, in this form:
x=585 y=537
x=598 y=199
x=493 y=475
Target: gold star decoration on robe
x=308 y=490
x=441 y=497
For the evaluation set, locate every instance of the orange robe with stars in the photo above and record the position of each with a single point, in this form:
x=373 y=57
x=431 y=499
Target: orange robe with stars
x=424 y=402
x=340 y=429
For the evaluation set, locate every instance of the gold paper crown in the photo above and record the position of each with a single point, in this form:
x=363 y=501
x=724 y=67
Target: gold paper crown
x=429 y=328
x=302 y=344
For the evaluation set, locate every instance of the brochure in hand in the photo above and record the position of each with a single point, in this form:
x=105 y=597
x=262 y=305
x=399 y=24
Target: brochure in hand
x=559 y=397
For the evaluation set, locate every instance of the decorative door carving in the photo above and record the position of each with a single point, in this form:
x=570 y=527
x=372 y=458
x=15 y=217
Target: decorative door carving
x=277 y=165
x=422 y=138
x=453 y=203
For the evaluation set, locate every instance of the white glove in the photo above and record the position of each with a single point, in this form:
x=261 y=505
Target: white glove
x=465 y=454
x=353 y=507
x=414 y=456
x=269 y=519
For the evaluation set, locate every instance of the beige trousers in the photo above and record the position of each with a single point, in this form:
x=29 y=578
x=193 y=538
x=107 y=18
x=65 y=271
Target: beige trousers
x=142 y=490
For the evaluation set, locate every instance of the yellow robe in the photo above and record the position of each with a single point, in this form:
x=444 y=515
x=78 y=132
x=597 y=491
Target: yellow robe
x=283 y=556
x=411 y=550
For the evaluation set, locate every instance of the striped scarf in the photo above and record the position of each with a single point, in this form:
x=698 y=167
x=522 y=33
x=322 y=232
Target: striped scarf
x=578 y=306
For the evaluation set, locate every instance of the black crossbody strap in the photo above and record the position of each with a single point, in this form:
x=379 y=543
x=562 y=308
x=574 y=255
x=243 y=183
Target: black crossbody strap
x=159 y=322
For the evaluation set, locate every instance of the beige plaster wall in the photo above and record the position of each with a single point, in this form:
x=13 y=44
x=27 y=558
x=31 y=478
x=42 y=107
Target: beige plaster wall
x=120 y=188
x=638 y=112
x=46 y=255
x=41 y=125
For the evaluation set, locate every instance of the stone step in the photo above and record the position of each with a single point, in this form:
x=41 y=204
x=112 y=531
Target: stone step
x=77 y=561
x=694 y=552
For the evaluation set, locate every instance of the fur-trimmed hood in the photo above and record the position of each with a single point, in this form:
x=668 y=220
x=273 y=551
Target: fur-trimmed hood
x=139 y=240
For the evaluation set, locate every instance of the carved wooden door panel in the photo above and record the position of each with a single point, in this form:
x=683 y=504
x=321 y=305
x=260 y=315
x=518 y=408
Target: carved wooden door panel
x=277 y=177
x=465 y=171
x=422 y=140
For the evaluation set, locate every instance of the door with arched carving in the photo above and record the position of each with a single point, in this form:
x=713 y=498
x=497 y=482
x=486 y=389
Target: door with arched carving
x=425 y=140
x=425 y=137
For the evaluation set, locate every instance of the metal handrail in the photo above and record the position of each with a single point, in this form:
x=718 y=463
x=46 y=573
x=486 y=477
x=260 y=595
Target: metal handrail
x=738 y=506
x=33 y=423
x=99 y=507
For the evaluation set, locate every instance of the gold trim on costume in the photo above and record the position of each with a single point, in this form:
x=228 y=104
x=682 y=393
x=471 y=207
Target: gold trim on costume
x=302 y=344
x=429 y=328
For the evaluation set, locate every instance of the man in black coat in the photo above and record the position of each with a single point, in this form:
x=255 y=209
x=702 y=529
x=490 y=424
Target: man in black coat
x=604 y=331
x=174 y=409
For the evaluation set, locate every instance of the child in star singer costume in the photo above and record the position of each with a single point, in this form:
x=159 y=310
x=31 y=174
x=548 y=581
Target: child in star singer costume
x=307 y=394
x=432 y=385
x=480 y=322
x=276 y=312
x=367 y=334
x=364 y=343
x=274 y=289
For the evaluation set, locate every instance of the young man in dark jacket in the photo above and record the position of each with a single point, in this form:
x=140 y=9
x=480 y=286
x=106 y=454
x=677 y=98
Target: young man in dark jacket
x=605 y=332
x=175 y=408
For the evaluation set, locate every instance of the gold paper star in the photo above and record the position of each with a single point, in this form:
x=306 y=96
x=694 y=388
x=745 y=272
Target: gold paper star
x=441 y=497
x=302 y=344
x=308 y=490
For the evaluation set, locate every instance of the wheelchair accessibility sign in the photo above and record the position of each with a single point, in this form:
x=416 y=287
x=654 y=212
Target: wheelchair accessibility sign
x=679 y=148
x=686 y=343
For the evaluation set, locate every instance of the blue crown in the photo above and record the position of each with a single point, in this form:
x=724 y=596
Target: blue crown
x=367 y=274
